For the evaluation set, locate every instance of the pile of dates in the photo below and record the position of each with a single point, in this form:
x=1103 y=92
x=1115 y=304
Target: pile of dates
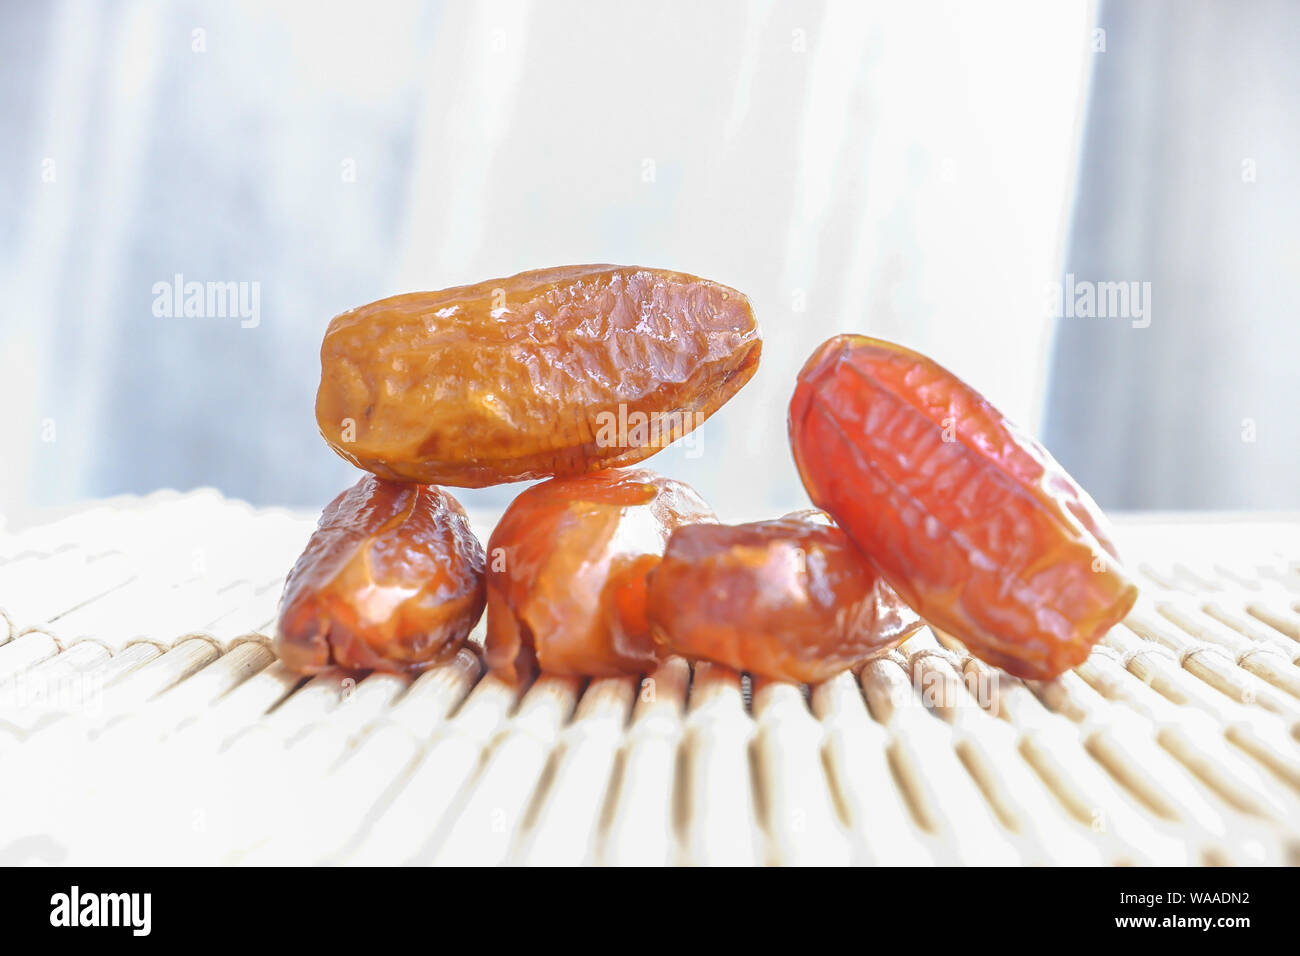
x=933 y=507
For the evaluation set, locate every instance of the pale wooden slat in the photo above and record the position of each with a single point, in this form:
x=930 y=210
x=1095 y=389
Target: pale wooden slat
x=716 y=811
x=800 y=817
x=641 y=829
x=567 y=817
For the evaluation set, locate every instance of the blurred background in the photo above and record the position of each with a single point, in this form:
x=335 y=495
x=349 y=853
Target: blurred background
x=1084 y=210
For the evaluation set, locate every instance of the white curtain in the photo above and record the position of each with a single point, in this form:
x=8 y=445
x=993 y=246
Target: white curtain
x=1189 y=182
x=902 y=169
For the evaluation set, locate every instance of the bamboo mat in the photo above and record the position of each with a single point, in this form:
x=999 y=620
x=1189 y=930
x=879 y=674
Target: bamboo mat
x=143 y=719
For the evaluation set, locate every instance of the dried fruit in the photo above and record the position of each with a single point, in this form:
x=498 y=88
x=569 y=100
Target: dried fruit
x=567 y=565
x=392 y=579
x=971 y=521
x=791 y=599
x=554 y=372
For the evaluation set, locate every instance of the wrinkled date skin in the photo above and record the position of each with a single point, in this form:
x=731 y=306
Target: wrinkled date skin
x=567 y=565
x=391 y=580
x=791 y=599
x=554 y=372
x=969 y=519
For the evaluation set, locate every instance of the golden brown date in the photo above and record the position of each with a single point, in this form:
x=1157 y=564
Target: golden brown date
x=567 y=570
x=791 y=599
x=391 y=580
x=969 y=519
x=553 y=372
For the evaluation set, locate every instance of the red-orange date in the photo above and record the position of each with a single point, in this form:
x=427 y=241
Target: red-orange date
x=969 y=519
x=391 y=580
x=567 y=565
x=791 y=599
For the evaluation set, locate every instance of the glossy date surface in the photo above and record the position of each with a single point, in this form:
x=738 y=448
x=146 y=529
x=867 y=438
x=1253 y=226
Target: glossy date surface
x=554 y=372
x=392 y=579
x=969 y=519
x=566 y=578
x=790 y=599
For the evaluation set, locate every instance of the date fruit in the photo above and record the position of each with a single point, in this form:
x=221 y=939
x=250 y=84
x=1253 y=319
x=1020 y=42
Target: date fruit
x=392 y=580
x=971 y=521
x=566 y=578
x=790 y=599
x=554 y=372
